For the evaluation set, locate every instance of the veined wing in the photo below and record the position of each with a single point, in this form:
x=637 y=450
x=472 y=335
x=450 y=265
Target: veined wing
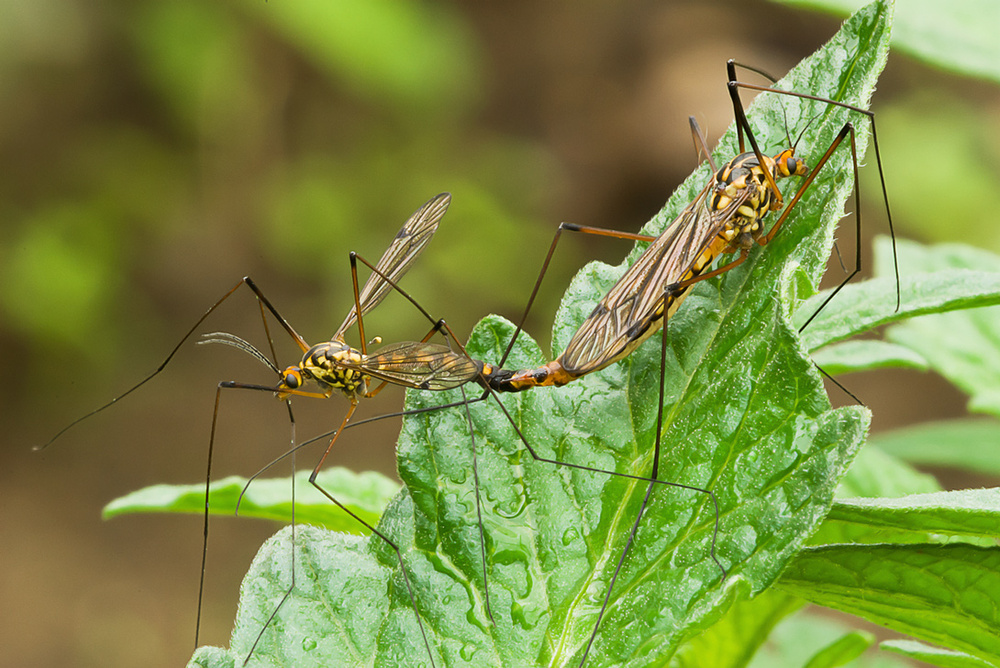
x=424 y=366
x=634 y=308
x=409 y=242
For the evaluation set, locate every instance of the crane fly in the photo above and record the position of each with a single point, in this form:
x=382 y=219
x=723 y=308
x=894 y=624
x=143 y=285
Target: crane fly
x=334 y=366
x=727 y=216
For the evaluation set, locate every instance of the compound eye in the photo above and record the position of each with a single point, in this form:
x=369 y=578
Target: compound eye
x=292 y=379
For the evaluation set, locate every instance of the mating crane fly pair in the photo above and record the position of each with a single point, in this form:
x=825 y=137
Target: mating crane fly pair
x=726 y=217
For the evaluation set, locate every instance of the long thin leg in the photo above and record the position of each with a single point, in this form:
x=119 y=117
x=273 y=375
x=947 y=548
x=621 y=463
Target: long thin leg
x=701 y=148
x=701 y=144
x=204 y=544
x=441 y=327
x=649 y=492
x=162 y=365
x=277 y=316
x=187 y=335
x=312 y=479
x=208 y=483
x=273 y=364
x=355 y=258
x=376 y=532
x=545 y=267
x=742 y=124
x=291 y=584
x=357 y=303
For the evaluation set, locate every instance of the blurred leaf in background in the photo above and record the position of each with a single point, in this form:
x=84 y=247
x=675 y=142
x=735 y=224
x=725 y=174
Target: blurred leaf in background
x=959 y=36
x=942 y=150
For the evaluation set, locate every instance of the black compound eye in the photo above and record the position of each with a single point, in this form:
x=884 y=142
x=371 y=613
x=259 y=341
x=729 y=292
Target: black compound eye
x=292 y=380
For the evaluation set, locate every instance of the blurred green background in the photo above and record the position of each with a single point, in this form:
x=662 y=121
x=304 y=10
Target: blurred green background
x=154 y=153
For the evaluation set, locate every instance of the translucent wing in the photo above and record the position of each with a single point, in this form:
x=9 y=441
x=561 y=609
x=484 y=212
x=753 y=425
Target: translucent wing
x=634 y=308
x=411 y=240
x=424 y=366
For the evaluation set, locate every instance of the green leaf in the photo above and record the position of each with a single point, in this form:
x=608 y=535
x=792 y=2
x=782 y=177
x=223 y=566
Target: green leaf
x=866 y=355
x=945 y=594
x=842 y=651
x=960 y=346
x=950 y=128
x=934 y=655
x=794 y=641
x=969 y=512
x=875 y=473
x=745 y=415
x=959 y=36
x=419 y=55
x=338 y=610
x=732 y=641
x=207 y=83
x=962 y=444
x=863 y=306
x=364 y=493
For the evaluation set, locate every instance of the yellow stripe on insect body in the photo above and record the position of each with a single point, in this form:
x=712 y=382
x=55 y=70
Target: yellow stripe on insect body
x=332 y=365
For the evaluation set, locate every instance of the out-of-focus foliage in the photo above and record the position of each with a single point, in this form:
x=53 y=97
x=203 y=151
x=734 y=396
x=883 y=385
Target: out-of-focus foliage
x=152 y=154
x=945 y=155
x=959 y=35
x=942 y=150
x=208 y=131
